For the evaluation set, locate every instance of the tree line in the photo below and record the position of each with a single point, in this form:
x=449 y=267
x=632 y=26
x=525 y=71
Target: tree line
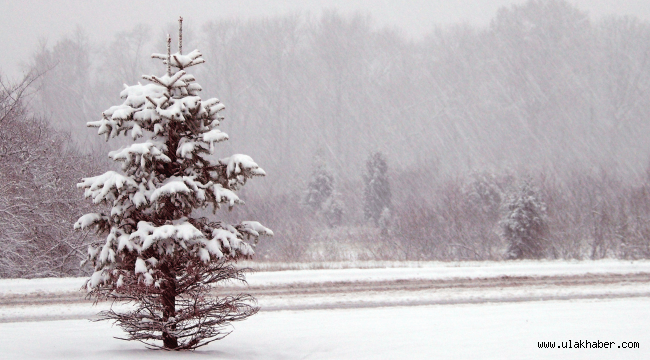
x=464 y=118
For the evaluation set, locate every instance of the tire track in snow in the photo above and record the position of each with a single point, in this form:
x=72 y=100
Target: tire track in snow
x=364 y=294
x=40 y=298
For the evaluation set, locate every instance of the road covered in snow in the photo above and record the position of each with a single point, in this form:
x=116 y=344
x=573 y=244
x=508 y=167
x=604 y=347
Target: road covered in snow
x=480 y=310
x=420 y=284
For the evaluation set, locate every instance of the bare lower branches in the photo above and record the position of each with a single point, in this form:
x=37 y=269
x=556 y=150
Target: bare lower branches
x=196 y=318
x=199 y=319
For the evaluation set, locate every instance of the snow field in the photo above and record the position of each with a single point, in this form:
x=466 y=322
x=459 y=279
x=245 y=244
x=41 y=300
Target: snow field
x=358 y=299
x=22 y=297
x=474 y=324
x=485 y=331
x=451 y=270
x=393 y=271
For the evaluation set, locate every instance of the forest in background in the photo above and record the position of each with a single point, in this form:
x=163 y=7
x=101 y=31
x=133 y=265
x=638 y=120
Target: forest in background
x=543 y=98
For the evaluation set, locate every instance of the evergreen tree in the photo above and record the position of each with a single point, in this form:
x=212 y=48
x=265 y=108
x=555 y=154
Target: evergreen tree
x=158 y=254
x=484 y=195
x=524 y=227
x=334 y=209
x=320 y=187
x=376 y=195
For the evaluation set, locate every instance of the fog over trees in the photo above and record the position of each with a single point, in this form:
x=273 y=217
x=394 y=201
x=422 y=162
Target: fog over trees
x=463 y=117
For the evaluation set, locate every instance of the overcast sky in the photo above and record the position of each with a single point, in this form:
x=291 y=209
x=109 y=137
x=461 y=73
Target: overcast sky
x=23 y=23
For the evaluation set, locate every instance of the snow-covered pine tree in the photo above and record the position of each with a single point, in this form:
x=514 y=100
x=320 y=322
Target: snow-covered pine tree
x=483 y=194
x=320 y=187
x=334 y=209
x=524 y=227
x=158 y=254
x=376 y=194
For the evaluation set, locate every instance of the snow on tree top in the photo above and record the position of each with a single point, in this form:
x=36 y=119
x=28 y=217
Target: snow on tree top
x=177 y=80
x=136 y=95
x=181 y=61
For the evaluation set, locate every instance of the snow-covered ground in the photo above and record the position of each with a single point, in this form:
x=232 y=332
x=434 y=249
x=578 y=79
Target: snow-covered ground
x=394 y=271
x=485 y=331
x=452 y=270
x=359 y=313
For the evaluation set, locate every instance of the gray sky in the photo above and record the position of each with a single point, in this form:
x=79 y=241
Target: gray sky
x=23 y=23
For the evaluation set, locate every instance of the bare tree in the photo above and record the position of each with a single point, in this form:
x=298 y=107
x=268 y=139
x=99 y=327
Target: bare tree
x=38 y=172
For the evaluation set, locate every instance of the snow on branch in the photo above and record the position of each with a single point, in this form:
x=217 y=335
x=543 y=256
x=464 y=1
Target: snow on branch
x=214 y=136
x=106 y=187
x=88 y=220
x=142 y=153
x=212 y=107
x=148 y=234
x=255 y=228
x=185 y=185
x=240 y=164
x=182 y=61
x=169 y=82
x=239 y=168
x=136 y=95
x=225 y=196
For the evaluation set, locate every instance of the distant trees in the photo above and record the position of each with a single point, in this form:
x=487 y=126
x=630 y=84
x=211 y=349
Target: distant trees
x=321 y=196
x=66 y=88
x=320 y=187
x=134 y=45
x=376 y=193
x=544 y=89
x=524 y=227
x=484 y=194
x=542 y=85
x=38 y=172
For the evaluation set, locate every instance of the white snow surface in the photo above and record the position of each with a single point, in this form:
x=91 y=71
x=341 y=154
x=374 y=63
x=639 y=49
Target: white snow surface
x=486 y=331
x=426 y=270
x=439 y=271
x=359 y=325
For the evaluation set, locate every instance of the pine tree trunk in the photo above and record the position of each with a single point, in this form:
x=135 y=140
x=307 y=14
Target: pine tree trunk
x=169 y=306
